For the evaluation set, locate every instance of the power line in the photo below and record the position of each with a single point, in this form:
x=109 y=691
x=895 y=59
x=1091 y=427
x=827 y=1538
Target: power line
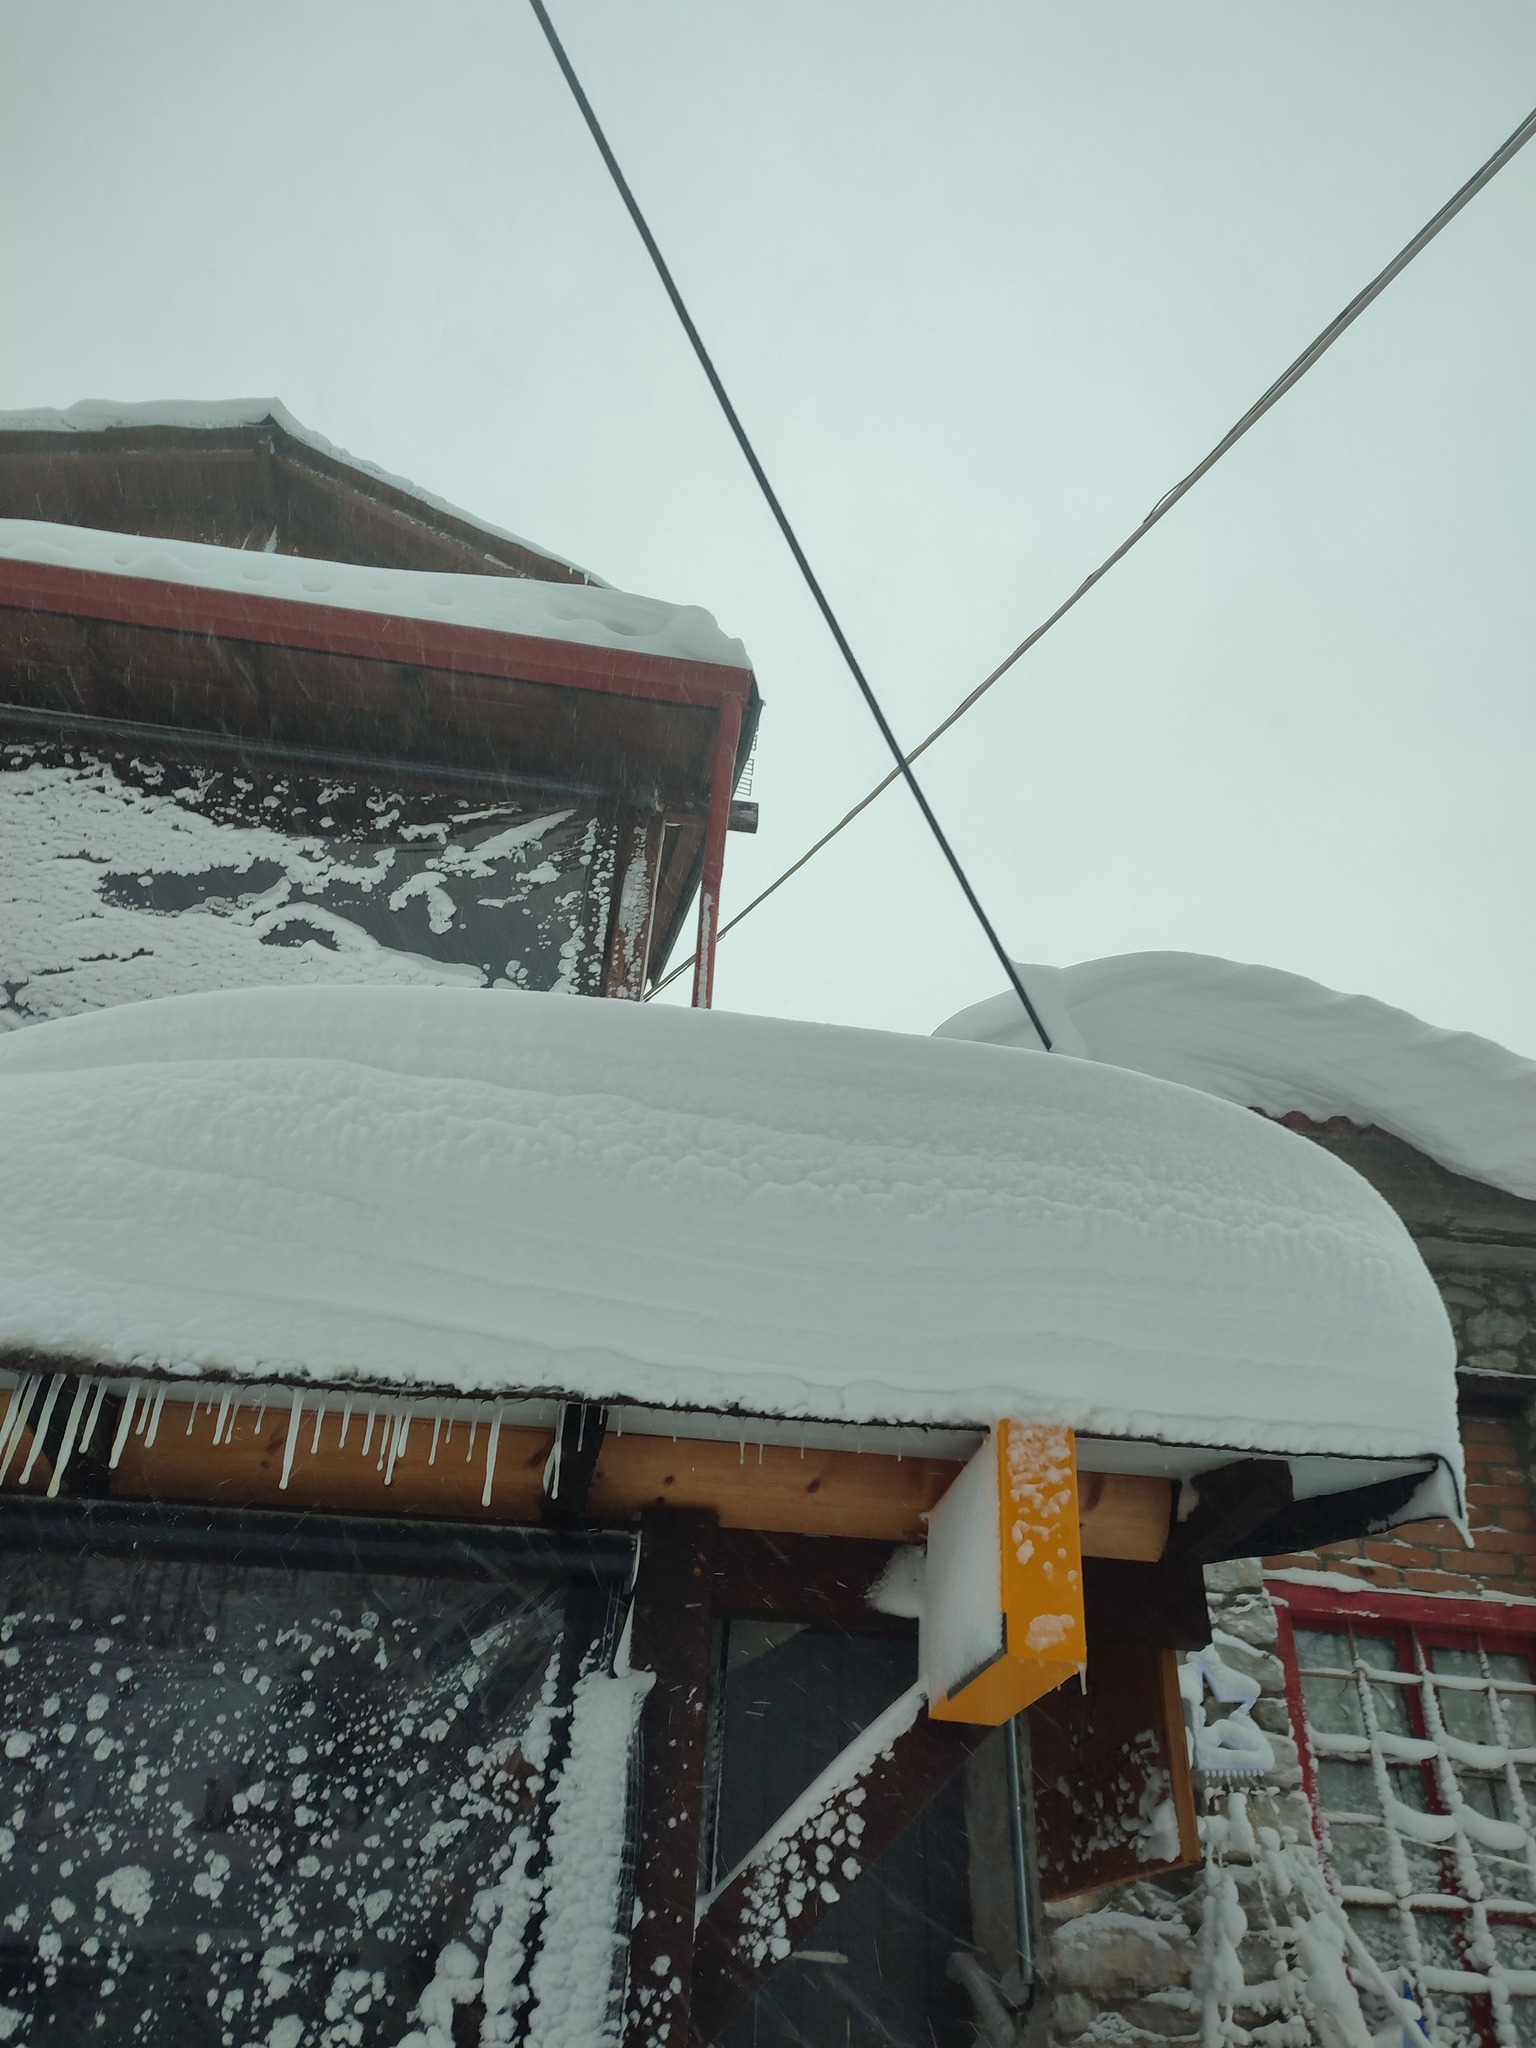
x=903 y=767
x=1282 y=384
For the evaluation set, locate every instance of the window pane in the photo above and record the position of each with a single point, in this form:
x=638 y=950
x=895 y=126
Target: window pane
x=1458 y=1663
x=1428 y=1870
x=1488 y=1795
x=1347 y=1787
x=1506 y=1877
x=281 y=1788
x=1523 y=2011
x=1516 y=1943
x=1460 y=2022
x=1326 y=1649
x=1380 y=1928
x=1507 y=1666
x=1377 y=1653
x=1360 y=1855
x=1518 y=1710
x=1393 y=1715
x=1408 y=1786
x=1333 y=1705
x=1442 y=1939
x=1467 y=1715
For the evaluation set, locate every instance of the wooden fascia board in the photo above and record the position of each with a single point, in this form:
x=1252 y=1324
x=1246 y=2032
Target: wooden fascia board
x=337 y=629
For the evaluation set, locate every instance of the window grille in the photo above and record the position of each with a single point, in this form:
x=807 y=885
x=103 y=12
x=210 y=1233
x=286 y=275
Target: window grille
x=1422 y=1773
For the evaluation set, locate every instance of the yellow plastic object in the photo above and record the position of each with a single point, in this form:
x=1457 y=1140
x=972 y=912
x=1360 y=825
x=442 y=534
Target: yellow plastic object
x=1040 y=1576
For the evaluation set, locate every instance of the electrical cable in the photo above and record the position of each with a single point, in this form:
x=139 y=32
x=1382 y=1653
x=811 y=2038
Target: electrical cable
x=1282 y=384
x=903 y=767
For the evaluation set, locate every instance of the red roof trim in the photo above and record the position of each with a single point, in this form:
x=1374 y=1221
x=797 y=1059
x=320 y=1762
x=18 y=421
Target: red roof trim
x=376 y=636
x=1423 y=1611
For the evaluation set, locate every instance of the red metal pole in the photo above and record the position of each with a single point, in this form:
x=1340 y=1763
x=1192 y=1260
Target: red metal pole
x=727 y=736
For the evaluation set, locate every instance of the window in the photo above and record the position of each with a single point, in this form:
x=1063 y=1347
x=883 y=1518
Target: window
x=1422 y=1773
x=251 y=1792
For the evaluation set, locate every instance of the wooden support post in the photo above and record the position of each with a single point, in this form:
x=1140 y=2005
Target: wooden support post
x=772 y=1903
x=671 y=1636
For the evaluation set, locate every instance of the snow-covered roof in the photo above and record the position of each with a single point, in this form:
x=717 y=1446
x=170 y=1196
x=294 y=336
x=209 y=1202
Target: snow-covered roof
x=105 y=415
x=1281 y=1043
x=496 y=1192
x=587 y=615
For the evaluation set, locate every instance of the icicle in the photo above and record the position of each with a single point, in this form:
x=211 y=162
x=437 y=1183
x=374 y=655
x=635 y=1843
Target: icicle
x=144 y=1412
x=741 y=1450
x=90 y=1421
x=21 y=1399
x=437 y=1425
x=315 y=1440
x=124 y=1423
x=191 y=1417
x=448 y=1433
x=49 y=1398
x=373 y=1416
x=219 y=1419
x=83 y=1392
x=156 y=1409
x=346 y=1421
x=474 y=1424
x=397 y=1445
x=261 y=1416
x=295 y=1416
x=22 y=1396
x=387 y=1436
x=492 y=1433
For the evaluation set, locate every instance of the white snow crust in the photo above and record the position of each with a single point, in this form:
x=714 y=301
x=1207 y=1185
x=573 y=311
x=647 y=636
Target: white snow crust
x=491 y=1191
x=99 y=415
x=1279 y=1043
x=961 y=1626
x=577 y=614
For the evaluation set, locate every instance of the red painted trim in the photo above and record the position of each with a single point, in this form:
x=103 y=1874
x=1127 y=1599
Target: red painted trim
x=727 y=736
x=1295 y=1706
x=1422 y=1611
x=373 y=636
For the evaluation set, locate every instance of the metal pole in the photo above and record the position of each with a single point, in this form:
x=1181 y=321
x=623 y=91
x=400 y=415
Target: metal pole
x=1021 y=1840
x=727 y=738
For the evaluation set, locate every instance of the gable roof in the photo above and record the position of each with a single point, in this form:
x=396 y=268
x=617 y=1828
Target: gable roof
x=244 y=473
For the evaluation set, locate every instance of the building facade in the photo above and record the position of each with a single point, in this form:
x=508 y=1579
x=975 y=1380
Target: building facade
x=1363 y=1730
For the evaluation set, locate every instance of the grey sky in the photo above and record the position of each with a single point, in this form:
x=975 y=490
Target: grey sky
x=984 y=279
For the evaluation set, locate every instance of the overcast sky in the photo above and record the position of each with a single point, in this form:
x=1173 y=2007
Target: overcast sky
x=984 y=280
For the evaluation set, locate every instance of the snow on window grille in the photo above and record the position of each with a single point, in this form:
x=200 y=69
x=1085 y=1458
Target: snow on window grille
x=1424 y=1749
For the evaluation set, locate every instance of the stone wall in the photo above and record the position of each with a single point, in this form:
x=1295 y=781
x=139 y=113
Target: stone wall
x=1248 y=1948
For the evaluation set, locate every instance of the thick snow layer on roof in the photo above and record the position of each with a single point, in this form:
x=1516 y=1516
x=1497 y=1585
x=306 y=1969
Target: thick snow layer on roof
x=573 y=612
x=1279 y=1043
x=492 y=1191
x=100 y=415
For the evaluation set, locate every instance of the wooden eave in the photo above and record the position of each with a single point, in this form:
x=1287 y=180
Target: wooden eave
x=82 y=648
x=238 y=486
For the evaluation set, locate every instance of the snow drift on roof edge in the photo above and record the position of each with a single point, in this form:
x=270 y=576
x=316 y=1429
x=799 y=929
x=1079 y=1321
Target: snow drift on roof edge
x=1278 y=1042
x=504 y=1192
x=99 y=415
x=578 y=614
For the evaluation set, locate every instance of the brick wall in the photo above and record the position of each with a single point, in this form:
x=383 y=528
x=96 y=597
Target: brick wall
x=1430 y=1557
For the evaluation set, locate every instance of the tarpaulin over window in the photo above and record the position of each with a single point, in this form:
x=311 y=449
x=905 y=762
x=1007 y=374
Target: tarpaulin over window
x=277 y=1803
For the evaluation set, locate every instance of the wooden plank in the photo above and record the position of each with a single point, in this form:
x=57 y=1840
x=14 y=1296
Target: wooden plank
x=246 y=1468
x=1113 y=1796
x=844 y=1493
x=1160 y=1605
x=772 y=1904
x=672 y=1634
x=861 y=1496
x=823 y=1581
